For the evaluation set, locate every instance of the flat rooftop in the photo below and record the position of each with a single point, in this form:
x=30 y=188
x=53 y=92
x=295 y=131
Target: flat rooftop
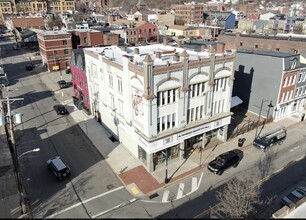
x=267 y=53
x=167 y=53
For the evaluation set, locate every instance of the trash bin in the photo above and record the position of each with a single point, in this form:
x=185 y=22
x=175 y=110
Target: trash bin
x=241 y=142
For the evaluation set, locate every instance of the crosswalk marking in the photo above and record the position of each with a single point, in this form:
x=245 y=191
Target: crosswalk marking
x=180 y=191
x=165 y=196
x=194 y=184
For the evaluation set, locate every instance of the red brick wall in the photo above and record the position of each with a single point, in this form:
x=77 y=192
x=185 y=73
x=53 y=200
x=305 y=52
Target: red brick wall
x=249 y=43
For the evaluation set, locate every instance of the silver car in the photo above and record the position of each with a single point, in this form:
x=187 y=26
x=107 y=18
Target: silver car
x=293 y=197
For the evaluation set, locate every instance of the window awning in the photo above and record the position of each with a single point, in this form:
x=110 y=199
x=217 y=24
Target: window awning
x=235 y=101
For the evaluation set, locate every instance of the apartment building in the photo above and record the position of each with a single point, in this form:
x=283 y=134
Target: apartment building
x=55 y=49
x=189 y=13
x=36 y=6
x=258 y=82
x=160 y=101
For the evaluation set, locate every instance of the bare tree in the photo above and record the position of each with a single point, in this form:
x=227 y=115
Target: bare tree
x=238 y=199
x=55 y=21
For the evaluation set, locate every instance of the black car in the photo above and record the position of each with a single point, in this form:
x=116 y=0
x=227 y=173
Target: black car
x=58 y=167
x=63 y=84
x=223 y=162
x=29 y=67
x=61 y=110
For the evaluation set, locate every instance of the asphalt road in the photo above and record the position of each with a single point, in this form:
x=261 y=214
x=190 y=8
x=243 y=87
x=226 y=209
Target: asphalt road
x=92 y=187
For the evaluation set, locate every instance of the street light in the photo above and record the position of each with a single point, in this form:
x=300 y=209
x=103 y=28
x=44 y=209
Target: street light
x=29 y=151
x=270 y=106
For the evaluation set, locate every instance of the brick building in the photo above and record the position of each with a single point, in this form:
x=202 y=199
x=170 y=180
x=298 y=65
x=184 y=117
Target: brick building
x=86 y=38
x=55 y=49
x=189 y=13
x=281 y=43
x=36 y=6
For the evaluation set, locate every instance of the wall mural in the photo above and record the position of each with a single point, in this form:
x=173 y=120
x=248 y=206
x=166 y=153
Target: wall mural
x=138 y=105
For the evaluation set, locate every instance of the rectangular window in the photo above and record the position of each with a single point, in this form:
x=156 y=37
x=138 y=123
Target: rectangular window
x=85 y=40
x=64 y=42
x=112 y=101
x=110 y=79
x=166 y=97
x=300 y=77
x=120 y=85
x=293 y=81
x=120 y=107
x=66 y=51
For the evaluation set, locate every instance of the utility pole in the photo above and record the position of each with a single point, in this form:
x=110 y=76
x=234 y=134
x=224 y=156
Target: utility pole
x=9 y=129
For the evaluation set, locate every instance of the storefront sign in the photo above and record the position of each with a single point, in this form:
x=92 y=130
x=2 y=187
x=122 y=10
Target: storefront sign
x=193 y=132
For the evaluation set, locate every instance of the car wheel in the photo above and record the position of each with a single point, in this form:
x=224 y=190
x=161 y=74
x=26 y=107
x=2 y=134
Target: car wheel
x=236 y=164
x=64 y=174
x=281 y=142
x=220 y=172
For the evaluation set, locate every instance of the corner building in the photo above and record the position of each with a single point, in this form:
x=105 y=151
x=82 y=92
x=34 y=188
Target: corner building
x=160 y=101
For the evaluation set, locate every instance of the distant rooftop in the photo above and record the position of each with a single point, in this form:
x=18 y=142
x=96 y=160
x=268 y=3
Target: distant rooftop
x=167 y=53
x=54 y=32
x=267 y=53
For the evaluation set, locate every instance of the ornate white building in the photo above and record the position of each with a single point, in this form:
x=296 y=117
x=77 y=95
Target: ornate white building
x=160 y=101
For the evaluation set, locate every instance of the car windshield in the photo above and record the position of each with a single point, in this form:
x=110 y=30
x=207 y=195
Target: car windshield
x=220 y=160
x=61 y=108
x=292 y=197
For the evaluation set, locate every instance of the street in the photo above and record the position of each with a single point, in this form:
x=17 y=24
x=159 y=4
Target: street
x=56 y=135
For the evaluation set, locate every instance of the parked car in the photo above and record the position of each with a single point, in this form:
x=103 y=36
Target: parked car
x=29 y=67
x=58 y=167
x=272 y=137
x=223 y=162
x=61 y=110
x=63 y=84
x=293 y=197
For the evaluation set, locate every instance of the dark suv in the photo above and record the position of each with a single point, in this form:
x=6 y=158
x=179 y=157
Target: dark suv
x=58 y=167
x=223 y=162
x=63 y=84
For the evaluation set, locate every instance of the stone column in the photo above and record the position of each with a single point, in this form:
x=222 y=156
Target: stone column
x=150 y=166
x=182 y=150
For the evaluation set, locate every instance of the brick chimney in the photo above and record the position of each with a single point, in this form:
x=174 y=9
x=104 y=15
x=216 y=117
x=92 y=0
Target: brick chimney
x=203 y=48
x=158 y=54
x=220 y=47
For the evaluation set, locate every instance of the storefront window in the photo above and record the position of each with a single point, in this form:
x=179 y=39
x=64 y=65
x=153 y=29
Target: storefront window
x=142 y=154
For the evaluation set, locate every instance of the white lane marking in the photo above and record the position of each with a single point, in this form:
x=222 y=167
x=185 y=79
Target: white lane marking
x=200 y=181
x=293 y=149
x=180 y=191
x=85 y=201
x=194 y=184
x=116 y=207
x=165 y=196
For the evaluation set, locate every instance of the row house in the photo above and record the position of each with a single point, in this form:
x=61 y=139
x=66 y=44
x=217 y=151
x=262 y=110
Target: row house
x=36 y=6
x=79 y=79
x=145 y=32
x=55 y=49
x=225 y=20
x=160 y=101
x=258 y=82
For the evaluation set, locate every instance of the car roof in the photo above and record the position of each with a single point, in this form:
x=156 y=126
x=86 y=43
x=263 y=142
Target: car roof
x=229 y=154
x=58 y=163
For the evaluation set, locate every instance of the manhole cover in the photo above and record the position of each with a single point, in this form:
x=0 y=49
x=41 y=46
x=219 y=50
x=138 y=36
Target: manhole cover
x=110 y=186
x=113 y=139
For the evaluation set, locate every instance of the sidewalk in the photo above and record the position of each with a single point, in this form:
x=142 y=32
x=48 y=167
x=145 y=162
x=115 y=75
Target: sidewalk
x=130 y=170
